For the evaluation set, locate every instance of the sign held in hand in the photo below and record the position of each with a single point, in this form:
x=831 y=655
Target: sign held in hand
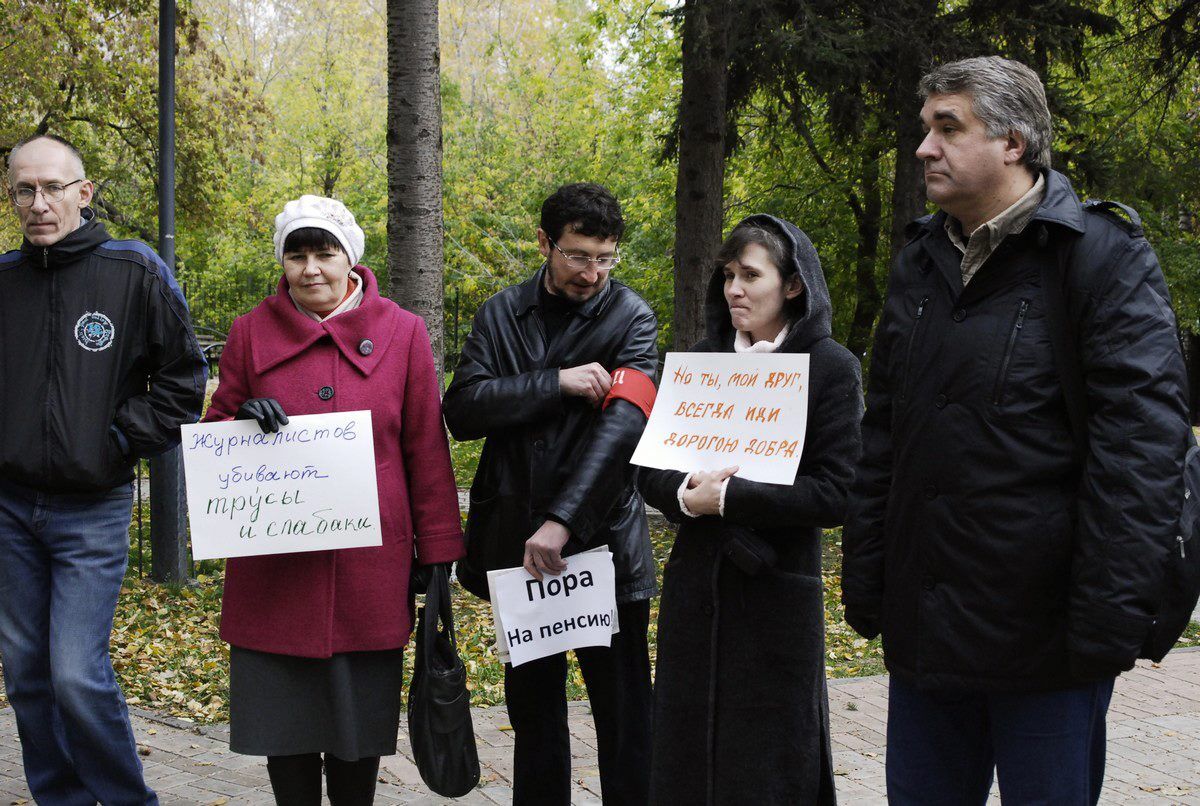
x=719 y=409
x=535 y=618
x=310 y=486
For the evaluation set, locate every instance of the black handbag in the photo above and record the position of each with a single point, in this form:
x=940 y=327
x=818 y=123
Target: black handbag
x=439 y=705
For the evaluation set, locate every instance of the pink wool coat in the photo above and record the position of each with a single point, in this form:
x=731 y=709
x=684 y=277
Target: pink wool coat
x=376 y=357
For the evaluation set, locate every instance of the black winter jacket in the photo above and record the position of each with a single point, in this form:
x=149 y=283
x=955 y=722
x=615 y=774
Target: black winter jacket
x=98 y=362
x=989 y=555
x=546 y=454
x=741 y=712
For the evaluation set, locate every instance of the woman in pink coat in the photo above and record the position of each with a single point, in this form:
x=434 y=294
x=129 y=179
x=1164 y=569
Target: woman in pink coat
x=317 y=637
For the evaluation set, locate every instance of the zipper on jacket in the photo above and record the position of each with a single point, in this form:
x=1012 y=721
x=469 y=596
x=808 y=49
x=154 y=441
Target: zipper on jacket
x=1018 y=324
x=912 y=338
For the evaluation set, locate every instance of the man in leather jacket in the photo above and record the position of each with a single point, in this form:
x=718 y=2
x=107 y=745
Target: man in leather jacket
x=1012 y=572
x=98 y=367
x=536 y=380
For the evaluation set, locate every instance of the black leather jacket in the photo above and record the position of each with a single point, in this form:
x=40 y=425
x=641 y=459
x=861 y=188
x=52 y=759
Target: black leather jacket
x=547 y=455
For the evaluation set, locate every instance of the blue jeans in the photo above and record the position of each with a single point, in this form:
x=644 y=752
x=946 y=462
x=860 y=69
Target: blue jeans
x=1047 y=747
x=62 y=559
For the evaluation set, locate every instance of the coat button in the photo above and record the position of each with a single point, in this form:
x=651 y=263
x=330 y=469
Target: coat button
x=941 y=401
x=931 y=492
x=366 y=347
x=928 y=582
x=959 y=315
x=708 y=609
x=325 y=392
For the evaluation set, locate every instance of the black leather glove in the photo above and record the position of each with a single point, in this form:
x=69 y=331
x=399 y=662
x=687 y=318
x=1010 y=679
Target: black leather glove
x=266 y=410
x=418 y=582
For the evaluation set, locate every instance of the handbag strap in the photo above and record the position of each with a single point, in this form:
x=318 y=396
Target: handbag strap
x=438 y=610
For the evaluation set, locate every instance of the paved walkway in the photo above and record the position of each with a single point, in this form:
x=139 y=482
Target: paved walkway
x=1153 y=755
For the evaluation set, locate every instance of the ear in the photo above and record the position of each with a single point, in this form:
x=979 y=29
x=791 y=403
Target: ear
x=1014 y=147
x=543 y=243
x=86 y=191
x=793 y=288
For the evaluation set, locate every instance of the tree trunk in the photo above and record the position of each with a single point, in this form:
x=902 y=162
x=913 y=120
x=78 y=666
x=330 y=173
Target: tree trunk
x=920 y=42
x=868 y=217
x=414 y=149
x=700 y=182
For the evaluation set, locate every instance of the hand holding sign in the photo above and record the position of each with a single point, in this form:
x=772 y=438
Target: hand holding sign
x=703 y=495
x=543 y=551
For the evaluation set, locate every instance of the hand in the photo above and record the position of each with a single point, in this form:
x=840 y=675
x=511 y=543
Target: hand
x=543 y=551
x=703 y=495
x=421 y=575
x=590 y=381
x=266 y=410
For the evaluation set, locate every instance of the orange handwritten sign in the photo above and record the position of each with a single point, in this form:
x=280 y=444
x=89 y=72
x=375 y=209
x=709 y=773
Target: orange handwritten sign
x=720 y=409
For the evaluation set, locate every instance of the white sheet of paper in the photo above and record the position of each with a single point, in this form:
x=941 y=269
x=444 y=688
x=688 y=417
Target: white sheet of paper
x=309 y=487
x=587 y=602
x=715 y=410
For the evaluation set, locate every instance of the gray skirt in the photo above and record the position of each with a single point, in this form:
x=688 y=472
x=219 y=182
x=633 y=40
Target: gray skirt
x=283 y=705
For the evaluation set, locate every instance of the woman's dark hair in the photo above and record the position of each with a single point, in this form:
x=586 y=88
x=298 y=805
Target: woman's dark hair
x=777 y=251
x=590 y=207
x=311 y=239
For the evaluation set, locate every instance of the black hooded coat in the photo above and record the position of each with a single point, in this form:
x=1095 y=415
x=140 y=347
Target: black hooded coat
x=741 y=707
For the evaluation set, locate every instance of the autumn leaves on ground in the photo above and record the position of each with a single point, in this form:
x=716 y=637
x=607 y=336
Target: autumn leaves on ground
x=169 y=658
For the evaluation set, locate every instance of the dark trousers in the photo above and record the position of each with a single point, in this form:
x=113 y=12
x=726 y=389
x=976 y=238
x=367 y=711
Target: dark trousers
x=618 y=685
x=296 y=780
x=1046 y=747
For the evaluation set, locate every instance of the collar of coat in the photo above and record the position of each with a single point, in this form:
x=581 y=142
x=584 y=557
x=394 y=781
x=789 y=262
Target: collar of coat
x=292 y=332
x=527 y=296
x=1060 y=207
x=74 y=246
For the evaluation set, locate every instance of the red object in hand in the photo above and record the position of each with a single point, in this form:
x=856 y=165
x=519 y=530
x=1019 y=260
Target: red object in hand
x=634 y=386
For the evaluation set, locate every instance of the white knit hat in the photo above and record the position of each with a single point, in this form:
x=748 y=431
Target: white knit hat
x=327 y=214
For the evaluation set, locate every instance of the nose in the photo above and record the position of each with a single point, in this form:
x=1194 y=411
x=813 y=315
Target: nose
x=311 y=265
x=928 y=150
x=40 y=205
x=733 y=289
x=590 y=275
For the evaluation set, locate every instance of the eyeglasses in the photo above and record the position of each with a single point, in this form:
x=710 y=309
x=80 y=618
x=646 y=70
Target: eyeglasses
x=583 y=261
x=24 y=196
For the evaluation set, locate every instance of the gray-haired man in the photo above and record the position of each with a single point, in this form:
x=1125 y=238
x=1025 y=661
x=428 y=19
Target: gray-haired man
x=1012 y=574
x=98 y=367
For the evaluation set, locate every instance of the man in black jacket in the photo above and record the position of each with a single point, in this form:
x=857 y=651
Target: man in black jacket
x=535 y=379
x=98 y=366
x=1012 y=578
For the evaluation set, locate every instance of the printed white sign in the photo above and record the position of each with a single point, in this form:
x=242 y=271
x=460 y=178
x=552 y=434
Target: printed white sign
x=715 y=410
x=575 y=608
x=309 y=487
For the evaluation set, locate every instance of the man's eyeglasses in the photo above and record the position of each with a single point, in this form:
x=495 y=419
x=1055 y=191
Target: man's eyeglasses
x=54 y=192
x=583 y=261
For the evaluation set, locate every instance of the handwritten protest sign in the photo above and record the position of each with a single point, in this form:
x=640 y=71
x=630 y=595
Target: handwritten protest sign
x=715 y=410
x=575 y=608
x=311 y=486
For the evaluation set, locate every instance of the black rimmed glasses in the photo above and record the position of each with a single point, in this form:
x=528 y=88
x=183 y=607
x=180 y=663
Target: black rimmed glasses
x=54 y=192
x=576 y=261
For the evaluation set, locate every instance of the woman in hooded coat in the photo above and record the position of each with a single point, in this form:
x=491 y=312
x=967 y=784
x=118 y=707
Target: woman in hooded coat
x=741 y=706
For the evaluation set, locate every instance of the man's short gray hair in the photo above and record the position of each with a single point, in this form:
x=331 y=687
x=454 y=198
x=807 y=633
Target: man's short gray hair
x=1005 y=95
x=76 y=157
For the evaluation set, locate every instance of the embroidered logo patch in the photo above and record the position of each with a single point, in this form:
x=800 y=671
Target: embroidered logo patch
x=94 y=331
